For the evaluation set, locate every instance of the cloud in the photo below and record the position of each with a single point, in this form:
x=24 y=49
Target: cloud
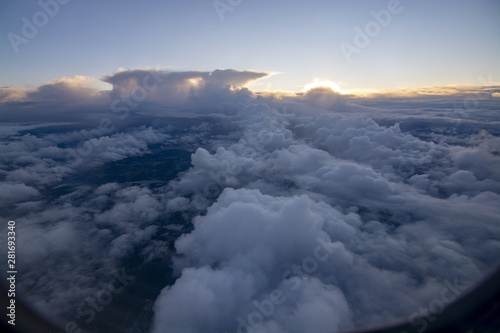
x=355 y=194
x=83 y=237
x=8 y=94
x=68 y=99
x=253 y=239
x=66 y=89
x=478 y=92
x=234 y=78
x=12 y=193
x=75 y=89
x=324 y=98
x=79 y=98
x=178 y=88
x=308 y=212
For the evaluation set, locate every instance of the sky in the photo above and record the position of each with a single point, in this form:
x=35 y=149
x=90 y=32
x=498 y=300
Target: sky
x=420 y=44
x=186 y=198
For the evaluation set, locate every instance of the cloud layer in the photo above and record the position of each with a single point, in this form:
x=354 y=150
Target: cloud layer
x=245 y=212
x=371 y=194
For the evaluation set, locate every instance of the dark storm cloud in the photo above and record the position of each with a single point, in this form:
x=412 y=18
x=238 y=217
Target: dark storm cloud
x=77 y=98
x=179 y=88
x=125 y=80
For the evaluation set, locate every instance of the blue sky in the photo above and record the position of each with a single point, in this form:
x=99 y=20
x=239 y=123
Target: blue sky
x=426 y=43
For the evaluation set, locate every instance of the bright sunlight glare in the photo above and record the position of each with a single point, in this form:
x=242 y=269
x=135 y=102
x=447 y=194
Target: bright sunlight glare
x=323 y=84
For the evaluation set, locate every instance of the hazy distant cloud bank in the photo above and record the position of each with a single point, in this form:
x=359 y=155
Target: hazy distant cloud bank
x=312 y=212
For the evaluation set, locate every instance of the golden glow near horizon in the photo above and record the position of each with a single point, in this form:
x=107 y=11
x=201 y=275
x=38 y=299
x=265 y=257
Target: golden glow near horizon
x=324 y=84
x=488 y=87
